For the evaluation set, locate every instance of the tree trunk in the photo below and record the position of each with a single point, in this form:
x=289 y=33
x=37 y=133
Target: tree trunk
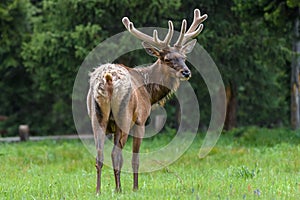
x=295 y=78
x=24 y=132
x=231 y=107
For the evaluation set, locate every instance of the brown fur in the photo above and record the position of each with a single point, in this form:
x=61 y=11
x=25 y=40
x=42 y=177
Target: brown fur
x=123 y=97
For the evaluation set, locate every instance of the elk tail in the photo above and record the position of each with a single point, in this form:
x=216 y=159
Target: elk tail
x=109 y=84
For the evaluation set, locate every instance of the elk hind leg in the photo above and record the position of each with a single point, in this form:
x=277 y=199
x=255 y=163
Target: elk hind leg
x=120 y=139
x=99 y=125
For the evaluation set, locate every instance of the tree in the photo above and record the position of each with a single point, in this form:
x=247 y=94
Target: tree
x=252 y=59
x=51 y=38
x=295 y=76
x=15 y=23
x=283 y=18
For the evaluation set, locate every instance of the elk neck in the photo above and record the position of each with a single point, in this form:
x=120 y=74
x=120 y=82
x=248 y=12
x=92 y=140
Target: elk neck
x=158 y=81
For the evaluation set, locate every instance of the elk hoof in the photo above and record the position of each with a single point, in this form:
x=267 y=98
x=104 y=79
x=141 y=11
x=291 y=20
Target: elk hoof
x=118 y=190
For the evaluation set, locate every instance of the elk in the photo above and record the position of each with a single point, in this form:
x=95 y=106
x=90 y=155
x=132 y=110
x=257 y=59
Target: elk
x=119 y=99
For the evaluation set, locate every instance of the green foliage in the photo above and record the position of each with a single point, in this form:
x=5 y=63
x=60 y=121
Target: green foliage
x=62 y=36
x=43 y=43
x=252 y=57
x=15 y=82
x=293 y=3
x=253 y=135
x=13 y=16
x=244 y=172
x=64 y=33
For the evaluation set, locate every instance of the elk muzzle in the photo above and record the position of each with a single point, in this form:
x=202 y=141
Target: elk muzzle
x=184 y=73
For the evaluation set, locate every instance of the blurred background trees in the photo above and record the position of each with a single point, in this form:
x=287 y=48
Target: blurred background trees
x=44 y=42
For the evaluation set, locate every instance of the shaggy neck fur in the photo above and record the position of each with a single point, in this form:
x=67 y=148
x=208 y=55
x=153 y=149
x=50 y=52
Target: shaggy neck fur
x=159 y=83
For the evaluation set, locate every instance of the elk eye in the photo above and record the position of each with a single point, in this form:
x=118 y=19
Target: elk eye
x=167 y=60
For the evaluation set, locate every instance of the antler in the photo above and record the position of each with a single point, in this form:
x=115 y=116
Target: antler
x=194 y=29
x=184 y=36
x=151 y=40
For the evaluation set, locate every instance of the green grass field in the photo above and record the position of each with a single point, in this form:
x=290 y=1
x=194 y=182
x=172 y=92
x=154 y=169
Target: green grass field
x=260 y=164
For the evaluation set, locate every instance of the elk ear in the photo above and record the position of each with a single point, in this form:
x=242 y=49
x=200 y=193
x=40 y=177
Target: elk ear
x=151 y=50
x=188 y=47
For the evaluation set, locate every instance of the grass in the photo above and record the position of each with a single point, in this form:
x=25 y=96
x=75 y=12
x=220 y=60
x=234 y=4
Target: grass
x=248 y=163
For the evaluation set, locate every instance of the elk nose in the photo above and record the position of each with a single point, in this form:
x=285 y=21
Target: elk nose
x=186 y=73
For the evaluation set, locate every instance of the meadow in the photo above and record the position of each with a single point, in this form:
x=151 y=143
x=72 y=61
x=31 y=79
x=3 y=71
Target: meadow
x=246 y=163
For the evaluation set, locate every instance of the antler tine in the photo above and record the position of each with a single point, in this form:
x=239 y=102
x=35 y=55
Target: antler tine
x=166 y=41
x=144 y=37
x=169 y=34
x=198 y=19
x=196 y=27
x=182 y=33
x=126 y=22
x=138 y=34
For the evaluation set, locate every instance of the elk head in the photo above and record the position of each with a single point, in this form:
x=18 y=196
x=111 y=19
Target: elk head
x=172 y=57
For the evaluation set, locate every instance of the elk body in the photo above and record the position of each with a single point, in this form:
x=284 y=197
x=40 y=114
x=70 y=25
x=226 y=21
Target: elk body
x=120 y=98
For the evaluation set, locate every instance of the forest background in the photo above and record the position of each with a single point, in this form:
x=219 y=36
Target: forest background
x=255 y=45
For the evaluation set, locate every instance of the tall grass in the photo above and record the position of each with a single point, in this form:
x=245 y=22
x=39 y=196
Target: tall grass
x=248 y=163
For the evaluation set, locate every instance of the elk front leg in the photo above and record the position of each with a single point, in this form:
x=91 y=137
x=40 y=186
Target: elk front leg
x=120 y=139
x=137 y=140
